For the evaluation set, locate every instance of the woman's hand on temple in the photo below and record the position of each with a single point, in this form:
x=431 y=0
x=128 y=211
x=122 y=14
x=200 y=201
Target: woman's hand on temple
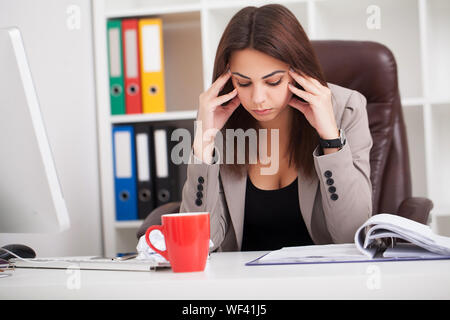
x=317 y=109
x=212 y=115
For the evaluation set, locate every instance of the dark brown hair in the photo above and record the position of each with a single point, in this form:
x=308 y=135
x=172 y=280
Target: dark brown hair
x=274 y=30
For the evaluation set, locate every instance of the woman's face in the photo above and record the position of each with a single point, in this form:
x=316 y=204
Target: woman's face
x=261 y=82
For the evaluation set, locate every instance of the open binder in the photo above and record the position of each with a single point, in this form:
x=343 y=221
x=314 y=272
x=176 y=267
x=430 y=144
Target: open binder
x=383 y=237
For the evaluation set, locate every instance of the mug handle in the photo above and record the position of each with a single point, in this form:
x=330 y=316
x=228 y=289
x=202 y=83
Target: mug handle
x=147 y=239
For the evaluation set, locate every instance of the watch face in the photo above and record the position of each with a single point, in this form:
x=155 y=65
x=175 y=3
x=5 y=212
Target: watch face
x=342 y=136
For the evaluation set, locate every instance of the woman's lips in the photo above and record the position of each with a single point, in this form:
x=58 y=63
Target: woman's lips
x=264 y=111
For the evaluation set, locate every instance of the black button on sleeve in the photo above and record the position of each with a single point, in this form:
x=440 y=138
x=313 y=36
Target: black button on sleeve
x=198 y=202
x=200 y=179
x=330 y=181
x=200 y=187
x=199 y=195
x=328 y=174
x=334 y=196
x=332 y=189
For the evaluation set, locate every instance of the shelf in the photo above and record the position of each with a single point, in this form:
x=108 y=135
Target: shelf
x=400 y=35
x=132 y=224
x=226 y=4
x=436 y=101
x=121 y=9
x=412 y=102
x=150 y=117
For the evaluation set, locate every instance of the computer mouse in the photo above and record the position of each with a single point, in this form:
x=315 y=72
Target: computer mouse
x=21 y=250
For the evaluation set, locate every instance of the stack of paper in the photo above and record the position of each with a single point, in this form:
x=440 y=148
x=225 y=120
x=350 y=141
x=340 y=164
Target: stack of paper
x=420 y=243
x=383 y=226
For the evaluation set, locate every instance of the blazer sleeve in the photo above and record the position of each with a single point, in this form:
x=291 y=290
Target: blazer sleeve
x=344 y=176
x=202 y=192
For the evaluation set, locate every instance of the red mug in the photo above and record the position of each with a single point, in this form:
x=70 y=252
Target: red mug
x=187 y=240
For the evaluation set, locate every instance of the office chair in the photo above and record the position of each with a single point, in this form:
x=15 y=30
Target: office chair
x=369 y=68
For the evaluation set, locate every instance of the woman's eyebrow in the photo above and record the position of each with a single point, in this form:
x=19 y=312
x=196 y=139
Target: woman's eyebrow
x=266 y=76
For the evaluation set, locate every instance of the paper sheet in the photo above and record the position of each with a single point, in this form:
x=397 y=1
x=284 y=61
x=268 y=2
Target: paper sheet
x=314 y=254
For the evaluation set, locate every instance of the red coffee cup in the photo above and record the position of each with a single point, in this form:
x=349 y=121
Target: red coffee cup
x=187 y=240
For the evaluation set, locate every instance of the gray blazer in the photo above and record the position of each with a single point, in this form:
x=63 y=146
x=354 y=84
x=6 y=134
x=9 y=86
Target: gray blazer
x=211 y=188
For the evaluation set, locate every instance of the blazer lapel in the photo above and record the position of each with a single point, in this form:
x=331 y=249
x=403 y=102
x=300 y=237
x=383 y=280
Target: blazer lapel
x=307 y=188
x=234 y=188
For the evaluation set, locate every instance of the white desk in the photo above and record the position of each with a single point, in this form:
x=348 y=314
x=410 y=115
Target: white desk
x=226 y=277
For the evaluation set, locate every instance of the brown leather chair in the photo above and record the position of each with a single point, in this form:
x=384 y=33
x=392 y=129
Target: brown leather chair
x=369 y=68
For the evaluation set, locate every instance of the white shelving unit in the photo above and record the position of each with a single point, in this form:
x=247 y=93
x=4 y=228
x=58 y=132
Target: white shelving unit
x=417 y=32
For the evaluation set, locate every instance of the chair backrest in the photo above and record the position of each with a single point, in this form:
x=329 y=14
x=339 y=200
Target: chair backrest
x=370 y=68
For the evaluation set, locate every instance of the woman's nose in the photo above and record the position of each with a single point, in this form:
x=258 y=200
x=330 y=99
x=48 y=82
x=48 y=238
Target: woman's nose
x=259 y=95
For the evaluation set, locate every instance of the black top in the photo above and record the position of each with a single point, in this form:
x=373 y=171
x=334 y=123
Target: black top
x=273 y=219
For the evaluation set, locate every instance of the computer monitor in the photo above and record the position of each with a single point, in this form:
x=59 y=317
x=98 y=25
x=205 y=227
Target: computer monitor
x=31 y=200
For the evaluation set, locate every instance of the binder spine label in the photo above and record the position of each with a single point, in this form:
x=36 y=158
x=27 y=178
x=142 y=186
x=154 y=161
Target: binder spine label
x=143 y=157
x=131 y=64
x=123 y=160
x=152 y=49
x=162 y=161
x=114 y=53
x=116 y=77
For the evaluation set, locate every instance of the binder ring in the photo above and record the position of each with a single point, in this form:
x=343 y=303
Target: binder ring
x=124 y=195
x=153 y=90
x=132 y=89
x=116 y=90
x=163 y=195
x=144 y=195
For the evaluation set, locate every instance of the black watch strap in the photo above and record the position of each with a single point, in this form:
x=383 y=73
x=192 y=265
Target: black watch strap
x=333 y=143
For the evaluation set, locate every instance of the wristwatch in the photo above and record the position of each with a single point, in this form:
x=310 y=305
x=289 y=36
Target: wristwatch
x=334 y=143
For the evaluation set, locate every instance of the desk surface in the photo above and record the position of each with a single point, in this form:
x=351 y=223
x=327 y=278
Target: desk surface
x=227 y=277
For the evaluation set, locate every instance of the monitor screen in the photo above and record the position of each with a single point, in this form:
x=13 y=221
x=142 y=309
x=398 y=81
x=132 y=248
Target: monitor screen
x=31 y=199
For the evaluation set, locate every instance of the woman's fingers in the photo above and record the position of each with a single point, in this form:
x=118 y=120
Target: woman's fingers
x=297 y=104
x=220 y=82
x=302 y=93
x=306 y=82
x=233 y=104
x=224 y=98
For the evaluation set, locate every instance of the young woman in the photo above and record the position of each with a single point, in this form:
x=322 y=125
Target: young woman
x=266 y=76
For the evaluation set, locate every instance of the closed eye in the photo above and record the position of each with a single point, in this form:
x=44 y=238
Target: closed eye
x=269 y=83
